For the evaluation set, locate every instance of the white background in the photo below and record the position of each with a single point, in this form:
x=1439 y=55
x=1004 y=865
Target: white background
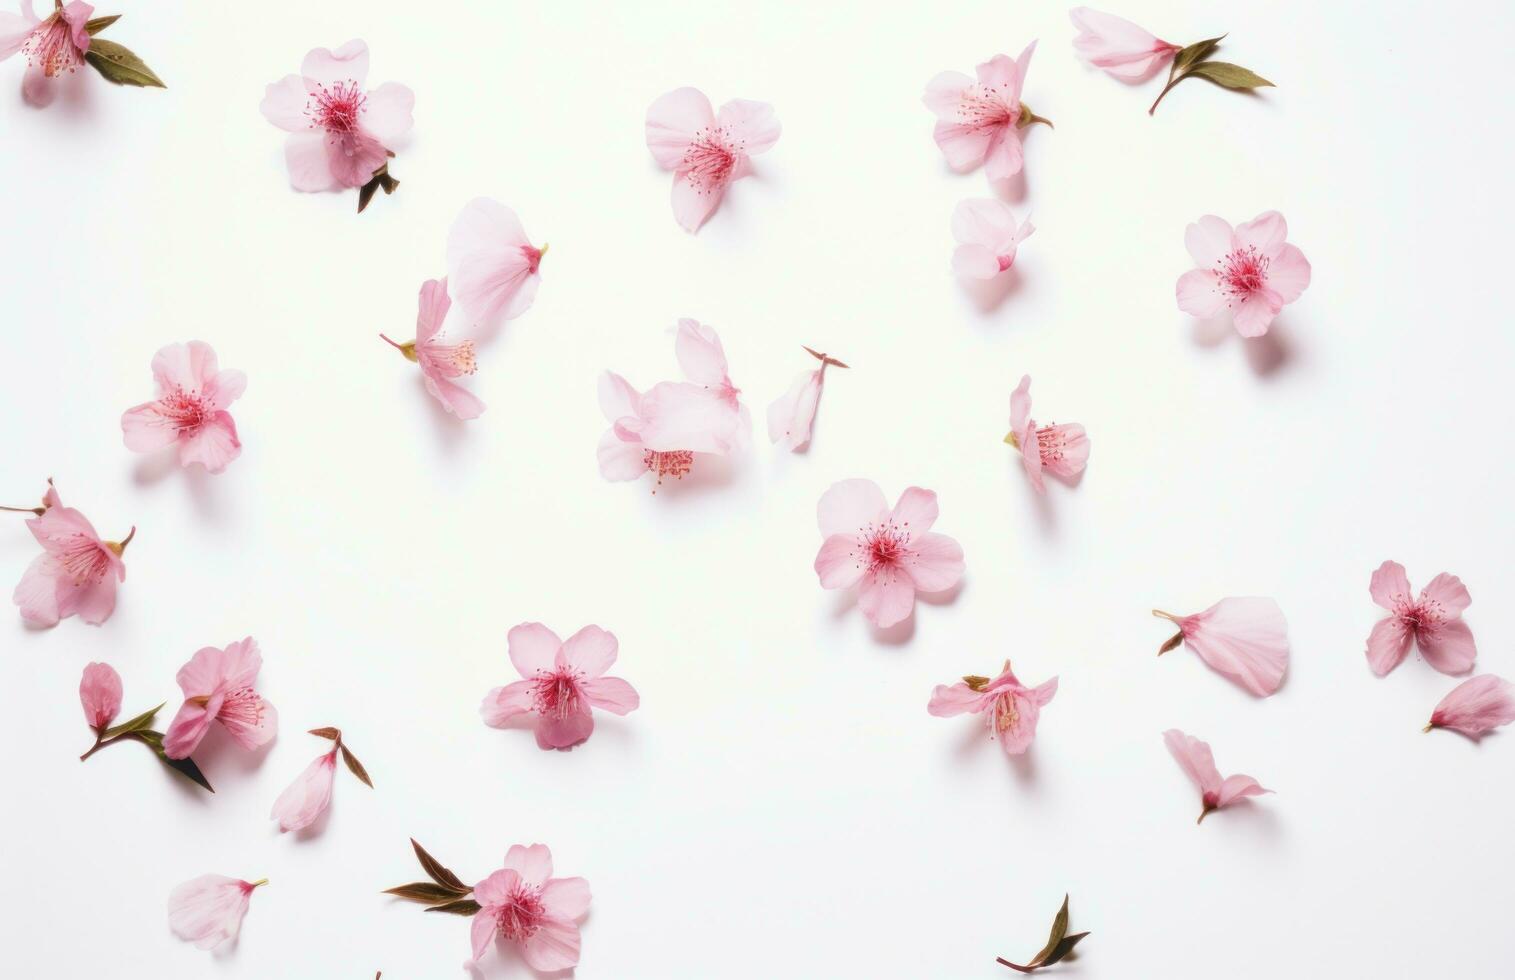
x=782 y=805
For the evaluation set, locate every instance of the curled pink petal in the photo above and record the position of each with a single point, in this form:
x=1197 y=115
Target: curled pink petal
x=1194 y=758
x=208 y=910
x=1250 y=271
x=1245 y=638
x=1118 y=46
x=792 y=415
x=1476 y=706
x=100 y=694
x=305 y=799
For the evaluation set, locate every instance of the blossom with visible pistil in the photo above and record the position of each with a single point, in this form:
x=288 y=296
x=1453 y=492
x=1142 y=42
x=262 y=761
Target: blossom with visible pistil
x=1245 y=638
x=1118 y=46
x=792 y=414
x=1432 y=620
x=706 y=150
x=979 y=122
x=190 y=410
x=208 y=910
x=1010 y=709
x=492 y=267
x=53 y=45
x=441 y=362
x=1476 y=706
x=1195 y=759
x=1251 y=271
x=889 y=554
x=987 y=234
x=1062 y=450
x=524 y=904
x=218 y=686
x=564 y=680
x=77 y=572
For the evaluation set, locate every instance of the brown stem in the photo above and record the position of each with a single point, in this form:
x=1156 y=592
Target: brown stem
x=101 y=743
x=1014 y=966
x=1166 y=89
x=1205 y=813
x=1428 y=728
x=1166 y=615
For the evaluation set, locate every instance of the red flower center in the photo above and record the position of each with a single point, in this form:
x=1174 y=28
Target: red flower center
x=50 y=46
x=675 y=463
x=983 y=107
x=1243 y=272
x=336 y=109
x=521 y=915
x=709 y=159
x=183 y=410
x=83 y=560
x=556 y=693
x=1050 y=443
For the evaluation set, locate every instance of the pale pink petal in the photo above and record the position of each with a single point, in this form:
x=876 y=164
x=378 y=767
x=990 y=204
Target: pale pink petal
x=1234 y=788
x=848 y=506
x=620 y=460
x=700 y=354
x=184 y=367
x=1387 y=645
x=1208 y=240
x=387 y=114
x=284 y=104
x=431 y=309
x=1195 y=759
x=533 y=864
x=682 y=416
x=751 y=126
x=1004 y=159
x=618 y=398
x=1020 y=405
x=309 y=164
x=1448 y=592
x=984 y=221
x=916 y=511
x=349 y=63
x=15 y=28
x=975 y=262
x=1120 y=47
x=1198 y=293
x=533 y=648
x=695 y=200
x=250 y=720
x=240 y=663
x=672 y=122
x=305 y=799
x=208 y=910
x=453 y=396
x=565 y=898
x=1075 y=450
x=1390 y=586
x=611 y=694
x=354 y=158
x=146 y=429
x=481 y=930
x=1476 y=706
x=58 y=527
x=560 y=733
x=100 y=694
x=838 y=564
x=1288 y=273
x=495 y=890
x=554 y=946
x=213 y=445
x=935 y=563
x=1043 y=693
x=186 y=731
x=491 y=265
x=944 y=93
x=964 y=147
x=998 y=71
x=1256 y=313
x=1245 y=638
x=1448 y=647
x=37 y=88
x=502 y=704
x=954 y=699
x=591 y=651
x=1022 y=67
x=886 y=598
x=94 y=601
x=791 y=417
x=1031 y=457
x=1263 y=232
x=224 y=388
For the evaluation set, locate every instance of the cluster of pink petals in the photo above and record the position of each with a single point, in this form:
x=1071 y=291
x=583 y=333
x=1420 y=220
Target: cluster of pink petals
x=440 y=360
x=340 y=133
x=100 y=695
x=305 y=799
x=660 y=431
x=889 y=554
x=978 y=122
x=190 y=410
x=1059 y=449
x=1010 y=709
x=706 y=150
x=564 y=680
x=1251 y=271
x=1246 y=638
x=1194 y=758
x=77 y=572
x=1432 y=620
x=218 y=686
x=792 y=415
x=208 y=910
x=53 y=45
x=492 y=267
x=1118 y=46
x=987 y=233
x=524 y=904
x=1476 y=706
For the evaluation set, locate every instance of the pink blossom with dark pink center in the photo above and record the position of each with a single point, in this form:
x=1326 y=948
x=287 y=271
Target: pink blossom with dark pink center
x=564 y=680
x=1431 y=620
x=1251 y=271
x=77 y=571
x=190 y=410
x=706 y=151
x=1010 y=709
x=218 y=686
x=979 y=121
x=1062 y=450
x=525 y=905
x=54 y=45
x=441 y=361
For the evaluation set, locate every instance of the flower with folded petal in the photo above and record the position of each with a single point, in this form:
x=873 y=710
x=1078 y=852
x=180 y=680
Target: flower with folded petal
x=1062 y=450
x=889 y=554
x=492 y=267
x=441 y=361
x=341 y=134
x=792 y=414
x=1432 y=620
x=190 y=410
x=1195 y=759
x=77 y=572
x=1476 y=706
x=979 y=122
x=208 y=910
x=100 y=694
x=53 y=46
x=706 y=150
x=1118 y=46
x=1245 y=638
x=1010 y=709
x=703 y=361
x=1251 y=271
x=218 y=686
x=524 y=904
x=564 y=680
x=987 y=234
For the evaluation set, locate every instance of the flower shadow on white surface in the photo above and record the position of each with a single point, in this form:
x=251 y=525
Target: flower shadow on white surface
x=156 y=467
x=988 y=295
x=903 y=632
x=1266 y=355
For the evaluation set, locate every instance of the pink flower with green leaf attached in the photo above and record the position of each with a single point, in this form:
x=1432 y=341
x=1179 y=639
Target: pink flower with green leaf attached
x=979 y=122
x=56 y=45
x=524 y=904
x=305 y=799
x=77 y=571
x=218 y=686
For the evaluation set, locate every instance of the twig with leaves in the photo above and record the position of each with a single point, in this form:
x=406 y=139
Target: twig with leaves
x=1059 y=945
x=444 y=893
x=1194 y=61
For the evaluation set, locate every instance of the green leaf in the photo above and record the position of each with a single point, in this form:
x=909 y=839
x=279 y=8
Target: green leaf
x=119 y=65
x=424 y=891
x=185 y=767
x=331 y=733
x=356 y=766
x=1229 y=76
x=463 y=906
x=100 y=23
x=437 y=873
x=1059 y=930
x=1064 y=947
x=142 y=722
x=1196 y=52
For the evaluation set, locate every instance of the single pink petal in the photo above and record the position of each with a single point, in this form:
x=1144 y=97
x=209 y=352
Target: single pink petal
x=349 y=63
x=751 y=126
x=999 y=71
x=620 y=460
x=213 y=445
x=850 y=505
x=1043 y=693
x=100 y=694
x=15 y=29
x=1020 y=405
x=672 y=122
x=555 y=732
x=533 y=649
x=839 y=564
x=964 y=147
x=1195 y=759
x=184 y=367
x=984 y=221
x=1288 y=273
x=504 y=703
x=223 y=389
x=944 y=94
x=305 y=156
x=186 y=731
x=935 y=563
x=1448 y=592
x=1256 y=313
x=916 y=511
x=1387 y=645
x=695 y=199
x=611 y=694
x=1245 y=638
x=387 y=114
x=679 y=415
x=37 y=592
x=354 y=157
x=1234 y=788
x=208 y=910
x=1448 y=647
x=481 y=930
x=1118 y=46
x=495 y=890
x=886 y=598
x=533 y=864
x=975 y=262
x=954 y=699
x=565 y=898
x=1263 y=232
x=431 y=309
x=284 y=104
x=38 y=89
x=492 y=267
x=305 y=799
x=1198 y=293
x=618 y=398
x=1476 y=706
x=591 y=651
x=791 y=417
x=453 y=397
x=1390 y=586
x=1208 y=240
x=554 y=946
x=95 y=601
x=1004 y=158
x=1022 y=67
x=240 y=663
x=700 y=354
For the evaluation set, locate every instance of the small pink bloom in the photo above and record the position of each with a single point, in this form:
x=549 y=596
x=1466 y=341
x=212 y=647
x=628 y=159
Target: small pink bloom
x=1245 y=638
x=308 y=796
x=190 y=410
x=987 y=234
x=1476 y=706
x=218 y=686
x=564 y=680
x=1119 y=46
x=1010 y=709
x=440 y=361
x=491 y=264
x=979 y=122
x=706 y=151
x=53 y=45
x=792 y=415
x=77 y=572
x=524 y=904
x=1433 y=620
x=1251 y=271
x=892 y=553
x=208 y=910
x=100 y=694
x=1194 y=758
x=1062 y=450
x=340 y=133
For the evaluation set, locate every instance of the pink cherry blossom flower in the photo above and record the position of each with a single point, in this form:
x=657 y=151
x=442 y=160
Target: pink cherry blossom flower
x=987 y=234
x=1119 y=46
x=341 y=134
x=1250 y=271
x=1433 y=620
x=703 y=361
x=1194 y=758
x=706 y=150
x=792 y=414
x=1245 y=638
x=77 y=572
x=53 y=45
x=218 y=686
x=208 y=910
x=1062 y=450
x=890 y=554
x=190 y=410
x=564 y=680
x=1010 y=709
x=1476 y=706
x=524 y=904
x=100 y=694
x=440 y=361
x=980 y=122
x=305 y=799
x=491 y=264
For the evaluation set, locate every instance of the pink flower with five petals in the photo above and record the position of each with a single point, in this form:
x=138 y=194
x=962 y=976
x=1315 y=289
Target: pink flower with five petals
x=77 y=572
x=1010 y=709
x=564 y=680
x=1251 y=271
x=524 y=904
x=890 y=554
x=53 y=45
x=190 y=410
x=1062 y=450
x=1432 y=620
x=218 y=686
x=706 y=150
x=441 y=362
x=979 y=122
